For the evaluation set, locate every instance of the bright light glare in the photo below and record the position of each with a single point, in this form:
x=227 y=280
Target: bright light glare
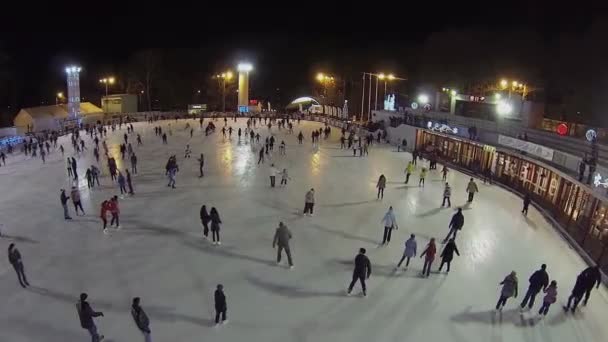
x=59 y=95
x=72 y=69
x=497 y=96
x=514 y=83
x=422 y=98
x=503 y=108
x=391 y=76
x=454 y=92
x=246 y=67
x=503 y=83
x=229 y=75
x=381 y=76
x=111 y=80
x=320 y=77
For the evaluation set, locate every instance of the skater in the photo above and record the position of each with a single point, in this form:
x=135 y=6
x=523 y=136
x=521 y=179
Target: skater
x=141 y=319
x=342 y=142
x=89 y=177
x=471 y=189
x=447 y=192
x=362 y=271
x=448 y=254
x=422 y=176
x=309 y=202
x=538 y=281
x=76 y=200
x=593 y=277
x=220 y=305
x=14 y=257
x=112 y=167
x=381 y=185
x=281 y=238
x=70 y=167
x=273 y=175
x=284 y=177
x=139 y=142
x=122 y=183
x=444 y=173
x=577 y=293
x=527 y=201
x=300 y=137
x=509 y=289
x=115 y=211
x=95 y=174
x=134 y=164
x=402 y=146
x=261 y=159
x=215 y=226
x=282 y=148
x=105 y=207
x=429 y=257
x=164 y=136
x=64 y=203
x=188 y=152
x=172 y=172
x=409 y=251
x=74 y=168
x=86 y=315
x=550 y=298
x=390 y=223
x=201 y=163
x=129 y=183
x=409 y=169
x=455 y=225
x=205 y=218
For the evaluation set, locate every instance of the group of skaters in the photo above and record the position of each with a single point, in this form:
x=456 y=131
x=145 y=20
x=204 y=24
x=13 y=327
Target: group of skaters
x=539 y=281
x=586 y=281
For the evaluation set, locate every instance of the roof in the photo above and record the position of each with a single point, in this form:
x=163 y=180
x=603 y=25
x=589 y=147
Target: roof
x=59 y=111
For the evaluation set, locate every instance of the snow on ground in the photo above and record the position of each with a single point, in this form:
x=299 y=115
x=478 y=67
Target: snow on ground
x=159 y=254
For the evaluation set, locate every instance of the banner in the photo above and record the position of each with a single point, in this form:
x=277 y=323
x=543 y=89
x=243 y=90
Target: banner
x=526 y=146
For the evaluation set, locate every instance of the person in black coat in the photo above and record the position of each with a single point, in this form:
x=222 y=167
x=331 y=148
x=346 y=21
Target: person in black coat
x=593 y=277
x=86 y=315
x=448 y=254
x=141 y=319
x=362 y=271
x=527 y=201
x=14 y=257
x=205 y=218
x=539 y=280
x=215 y=226
x=577 y=292
x=220 y=305
x=455 y=225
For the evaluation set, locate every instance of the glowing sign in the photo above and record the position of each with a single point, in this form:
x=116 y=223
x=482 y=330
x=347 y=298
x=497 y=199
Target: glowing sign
x=562 y=129
x=414 y=105
x=443 y=128
x=591 y=135
x=597 y=181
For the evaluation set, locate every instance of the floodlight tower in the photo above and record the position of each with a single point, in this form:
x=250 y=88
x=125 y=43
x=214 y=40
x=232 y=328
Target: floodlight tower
x=244 y=69
x=73 y=73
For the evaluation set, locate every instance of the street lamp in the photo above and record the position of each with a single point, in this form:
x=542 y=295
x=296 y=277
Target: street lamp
x=58 y=97
x=423 y=98
x=222 y=78
x=324 y=80
x=107 y=81
x=504 y=83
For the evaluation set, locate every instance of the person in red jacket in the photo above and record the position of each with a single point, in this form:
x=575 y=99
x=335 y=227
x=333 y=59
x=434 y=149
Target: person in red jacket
x=103 y=215
x=429 y=254
x=115 y=211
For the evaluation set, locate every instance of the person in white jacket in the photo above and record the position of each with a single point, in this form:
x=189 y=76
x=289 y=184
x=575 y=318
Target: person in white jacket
x=273 y=175
x=390 y=223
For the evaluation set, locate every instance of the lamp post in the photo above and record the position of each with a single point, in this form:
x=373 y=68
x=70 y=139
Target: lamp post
x=107 y=81
x=325 y=80
x=58 y=98
x=222 y=78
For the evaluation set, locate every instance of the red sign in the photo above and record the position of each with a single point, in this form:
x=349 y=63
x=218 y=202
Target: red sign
x=562 y=129
x=253 y=102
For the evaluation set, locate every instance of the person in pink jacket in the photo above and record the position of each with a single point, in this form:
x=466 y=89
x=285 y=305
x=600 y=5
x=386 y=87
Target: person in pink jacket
x=550 y=298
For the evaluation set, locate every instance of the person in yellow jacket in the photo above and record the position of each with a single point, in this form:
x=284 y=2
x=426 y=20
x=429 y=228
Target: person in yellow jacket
x=472 y=189
x=422 y=176
x=409 y=169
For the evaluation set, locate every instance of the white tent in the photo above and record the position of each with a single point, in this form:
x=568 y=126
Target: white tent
x=51 y=117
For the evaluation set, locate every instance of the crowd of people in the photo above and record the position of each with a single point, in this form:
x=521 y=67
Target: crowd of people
x=211 y=221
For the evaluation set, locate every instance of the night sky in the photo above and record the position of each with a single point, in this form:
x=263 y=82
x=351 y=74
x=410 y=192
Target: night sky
x=559 y=52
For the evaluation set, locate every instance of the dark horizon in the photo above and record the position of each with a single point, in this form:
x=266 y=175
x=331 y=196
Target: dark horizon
x=540 y=50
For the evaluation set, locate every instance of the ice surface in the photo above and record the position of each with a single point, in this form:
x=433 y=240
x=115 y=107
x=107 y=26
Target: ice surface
x=159 y=254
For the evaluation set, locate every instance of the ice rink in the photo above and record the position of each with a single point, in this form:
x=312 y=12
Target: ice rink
x=159 y=254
